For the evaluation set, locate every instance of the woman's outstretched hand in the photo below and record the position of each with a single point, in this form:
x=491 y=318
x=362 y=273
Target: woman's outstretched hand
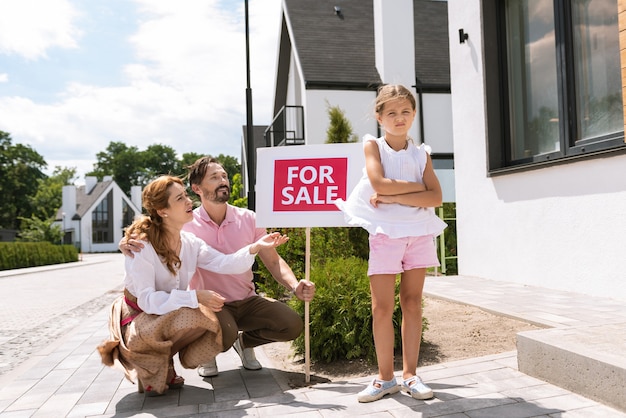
x=272 y=240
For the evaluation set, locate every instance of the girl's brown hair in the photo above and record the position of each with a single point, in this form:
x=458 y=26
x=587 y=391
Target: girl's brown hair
x=155 y=197
x=390 y=92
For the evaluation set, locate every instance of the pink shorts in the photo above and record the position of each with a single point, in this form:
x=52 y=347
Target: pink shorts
x=395 y=255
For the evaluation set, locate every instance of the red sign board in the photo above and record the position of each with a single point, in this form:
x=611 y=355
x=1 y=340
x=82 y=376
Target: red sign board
x=309 y=184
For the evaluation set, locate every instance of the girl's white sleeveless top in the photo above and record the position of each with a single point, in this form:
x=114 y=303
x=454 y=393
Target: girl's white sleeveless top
x=394 y=220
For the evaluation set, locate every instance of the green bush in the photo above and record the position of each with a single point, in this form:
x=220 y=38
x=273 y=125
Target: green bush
x=34 y=229
x=15 y=255
x=449 y=216
x=325 y=243
x=340 y=315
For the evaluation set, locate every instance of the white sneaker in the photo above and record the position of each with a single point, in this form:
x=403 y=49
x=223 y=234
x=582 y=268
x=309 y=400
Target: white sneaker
x=248 y=358
x=208 y=369
x=377 y=389
x=416 y=388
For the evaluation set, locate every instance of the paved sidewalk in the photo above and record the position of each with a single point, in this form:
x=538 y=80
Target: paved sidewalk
x=66 y=378
x=38 y=305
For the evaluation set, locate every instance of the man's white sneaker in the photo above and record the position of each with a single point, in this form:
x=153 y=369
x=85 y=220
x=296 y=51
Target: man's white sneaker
x=248 y=358
x=208 y=369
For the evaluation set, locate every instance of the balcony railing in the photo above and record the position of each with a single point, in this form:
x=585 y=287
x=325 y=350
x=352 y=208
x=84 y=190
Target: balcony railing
x=287 y=128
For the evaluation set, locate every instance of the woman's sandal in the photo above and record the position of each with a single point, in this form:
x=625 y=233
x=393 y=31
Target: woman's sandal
x=147 y=390
x=174 y=381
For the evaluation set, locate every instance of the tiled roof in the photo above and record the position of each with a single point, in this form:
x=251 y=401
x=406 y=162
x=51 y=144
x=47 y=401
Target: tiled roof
x=85 y=201
x=338 y=50
x=334 y=49
x=432 y=50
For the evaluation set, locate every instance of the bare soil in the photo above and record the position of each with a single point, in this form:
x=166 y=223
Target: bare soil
x=455 y=332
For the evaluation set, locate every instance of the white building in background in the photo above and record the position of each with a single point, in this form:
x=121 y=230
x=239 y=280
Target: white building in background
x=336 y=53
x=93 y=216
x=540 y=159
x=527 y=138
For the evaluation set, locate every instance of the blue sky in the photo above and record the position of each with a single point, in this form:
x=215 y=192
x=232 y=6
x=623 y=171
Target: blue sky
x=78 y=74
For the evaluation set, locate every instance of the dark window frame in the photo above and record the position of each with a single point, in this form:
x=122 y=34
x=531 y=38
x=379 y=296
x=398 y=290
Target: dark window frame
x=496 y=90
x=128 y=215
x=102 y=221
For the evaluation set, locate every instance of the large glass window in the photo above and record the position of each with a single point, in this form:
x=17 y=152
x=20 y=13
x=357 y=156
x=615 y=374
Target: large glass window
x=128 y=214
x=596 y=68
x=556 y=87
x=532 y=78
x=102 y=221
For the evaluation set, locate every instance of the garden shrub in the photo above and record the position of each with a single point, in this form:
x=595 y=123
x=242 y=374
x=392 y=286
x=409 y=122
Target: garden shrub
x=340 y=315
x=325 y=243
x=14 y=255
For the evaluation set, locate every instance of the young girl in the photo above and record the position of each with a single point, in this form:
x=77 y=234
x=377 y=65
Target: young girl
x=394 y=202
x=158 y=316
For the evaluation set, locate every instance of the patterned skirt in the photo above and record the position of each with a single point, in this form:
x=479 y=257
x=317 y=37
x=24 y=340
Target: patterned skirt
x=142 y=347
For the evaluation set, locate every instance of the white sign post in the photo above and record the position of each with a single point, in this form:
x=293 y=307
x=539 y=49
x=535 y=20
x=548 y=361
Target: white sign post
x=297 y=186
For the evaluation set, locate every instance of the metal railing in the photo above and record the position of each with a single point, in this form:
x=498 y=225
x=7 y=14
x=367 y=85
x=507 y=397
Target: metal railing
x=441 y=240
x=287 y=128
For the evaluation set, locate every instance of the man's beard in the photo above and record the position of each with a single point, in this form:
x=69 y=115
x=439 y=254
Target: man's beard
x=221 y=194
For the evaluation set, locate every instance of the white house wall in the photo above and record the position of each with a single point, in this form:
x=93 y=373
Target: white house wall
x=357 y=106
x=86 y=230
x=294 y=84
x=438 y=122
x=559 y=227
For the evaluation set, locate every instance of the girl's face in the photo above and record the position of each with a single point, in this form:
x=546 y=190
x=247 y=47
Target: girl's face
x=397 y=117
x=179 y=210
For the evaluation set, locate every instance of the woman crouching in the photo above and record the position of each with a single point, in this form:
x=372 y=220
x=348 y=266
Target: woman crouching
x=158 y=316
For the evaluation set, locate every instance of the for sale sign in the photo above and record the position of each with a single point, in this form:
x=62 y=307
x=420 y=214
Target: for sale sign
x=311 y=184
x=298 y=185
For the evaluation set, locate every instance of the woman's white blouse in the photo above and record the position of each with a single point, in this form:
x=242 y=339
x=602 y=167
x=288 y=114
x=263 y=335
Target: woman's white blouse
x=158 y=291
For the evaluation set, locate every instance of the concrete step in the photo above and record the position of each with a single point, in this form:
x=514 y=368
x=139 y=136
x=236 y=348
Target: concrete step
x=587 y=360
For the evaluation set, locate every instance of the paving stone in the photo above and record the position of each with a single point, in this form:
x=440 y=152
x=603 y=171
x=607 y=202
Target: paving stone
x=53 y=369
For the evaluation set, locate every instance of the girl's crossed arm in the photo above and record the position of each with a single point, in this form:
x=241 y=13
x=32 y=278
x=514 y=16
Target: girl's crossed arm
x=403 y=192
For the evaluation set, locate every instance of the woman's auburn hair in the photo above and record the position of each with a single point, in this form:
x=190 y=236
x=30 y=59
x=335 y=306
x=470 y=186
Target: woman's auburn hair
x=155 y=197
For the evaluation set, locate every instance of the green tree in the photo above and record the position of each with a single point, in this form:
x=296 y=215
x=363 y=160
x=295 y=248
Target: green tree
x=46 y=202
x=340 y=129
x=21 y=167
x=236 y=194
x=131 y=167
x=122 y=162
x=49 y=196
x=159 y=160
x=34 y=229
x=189 y=158
x=230 y=164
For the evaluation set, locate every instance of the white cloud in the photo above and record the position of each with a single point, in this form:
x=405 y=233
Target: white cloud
x=4 y=77
x=185 y=88
x=30 y=27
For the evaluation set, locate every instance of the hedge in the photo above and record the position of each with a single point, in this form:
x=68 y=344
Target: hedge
x=16 y=255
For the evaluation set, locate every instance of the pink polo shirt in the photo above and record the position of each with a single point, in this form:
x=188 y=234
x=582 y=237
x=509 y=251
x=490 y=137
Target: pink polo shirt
x=236 y=231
